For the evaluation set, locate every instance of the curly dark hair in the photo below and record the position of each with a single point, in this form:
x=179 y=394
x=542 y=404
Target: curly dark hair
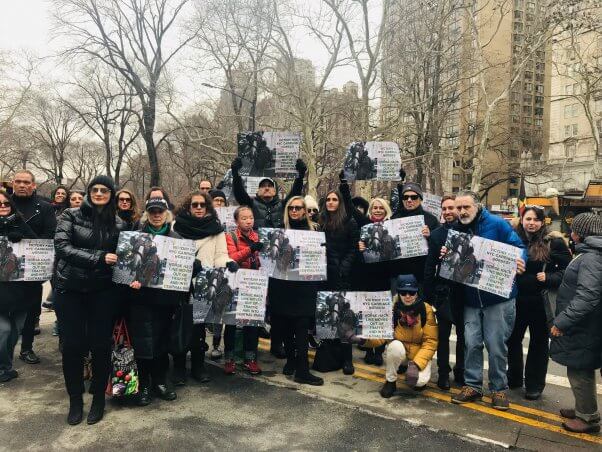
x=184 y=206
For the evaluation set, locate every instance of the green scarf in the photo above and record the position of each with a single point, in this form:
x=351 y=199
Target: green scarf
x=163 y=230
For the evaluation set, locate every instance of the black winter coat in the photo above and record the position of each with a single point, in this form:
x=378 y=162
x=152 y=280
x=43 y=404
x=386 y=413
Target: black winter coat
x=268 y=214
x=38 y=214
x=529 y=288
x=341 y=253
x=14 y=294
x=359 y=217
x=579 y=309
x=81 y=253
x=293 y=298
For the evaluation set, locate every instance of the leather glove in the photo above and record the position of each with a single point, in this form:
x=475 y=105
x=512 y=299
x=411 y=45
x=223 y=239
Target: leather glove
x=232 y=266
x=256 y=246
x=220 y=185
x=402 y=174
x=236 y=165
x=342 y=176
x=301 y=168
x=412 y=374
x=15 y=236
x=197 y=267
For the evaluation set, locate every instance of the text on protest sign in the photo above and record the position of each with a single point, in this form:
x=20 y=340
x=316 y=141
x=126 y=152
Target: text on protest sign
x=27 y=260
x=378 y=160
x=224 y=297
x=269 y=154
x=155 y=261
x=394 y=239
x=481 y=263
x=226 y=217
x=293 y=255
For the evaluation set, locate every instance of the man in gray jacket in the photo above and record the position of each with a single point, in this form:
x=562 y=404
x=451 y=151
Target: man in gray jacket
x=576 y=332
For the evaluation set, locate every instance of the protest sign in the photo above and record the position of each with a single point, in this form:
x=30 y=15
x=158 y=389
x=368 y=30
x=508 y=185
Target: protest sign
x=293 y=255
x=432 y=204
x=220 y=296
x=155 y=261
x=27 y=260
x=394 y=239
x=379 y=160
x=340 y=315
x=226 y=217
x=478 y=262
x=269 y=154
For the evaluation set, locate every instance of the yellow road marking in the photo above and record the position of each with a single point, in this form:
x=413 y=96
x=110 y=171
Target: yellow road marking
x=375 y=374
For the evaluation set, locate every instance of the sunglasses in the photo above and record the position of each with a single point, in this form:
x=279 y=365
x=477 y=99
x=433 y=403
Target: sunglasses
x=406 y=293
x=124 y=200
x=312 y=210
x=101 y=190
x=296 y=208
x=412 y=197
x=198 y=205
x=4 y=204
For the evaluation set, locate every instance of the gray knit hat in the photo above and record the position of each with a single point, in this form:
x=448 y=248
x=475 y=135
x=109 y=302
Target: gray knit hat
x=586 y=224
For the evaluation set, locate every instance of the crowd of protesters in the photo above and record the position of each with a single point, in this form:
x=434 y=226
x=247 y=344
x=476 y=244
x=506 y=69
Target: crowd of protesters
x=85 y=226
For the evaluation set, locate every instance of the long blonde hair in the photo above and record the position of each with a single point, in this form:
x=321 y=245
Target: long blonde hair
x=384 y=203
x=287 y=225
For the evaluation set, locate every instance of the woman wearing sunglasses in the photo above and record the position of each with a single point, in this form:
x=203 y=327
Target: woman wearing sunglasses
x=342 y=234
x=197 y=220
x=13 y=311
x=85 y=242
x=548 y=256
x=293 y=304
x=127 y=209
x=150 y=319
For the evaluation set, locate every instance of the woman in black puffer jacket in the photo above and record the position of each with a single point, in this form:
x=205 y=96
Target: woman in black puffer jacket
x=342 y=235
x=85 y=242
x=14 y=300
x=548 y=257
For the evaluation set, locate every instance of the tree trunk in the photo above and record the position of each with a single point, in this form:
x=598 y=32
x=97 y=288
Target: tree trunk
x=151 y=151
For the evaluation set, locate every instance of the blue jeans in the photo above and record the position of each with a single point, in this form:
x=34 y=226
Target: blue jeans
x=491 y=326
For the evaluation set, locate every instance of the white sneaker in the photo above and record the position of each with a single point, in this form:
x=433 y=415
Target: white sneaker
x=216 y=354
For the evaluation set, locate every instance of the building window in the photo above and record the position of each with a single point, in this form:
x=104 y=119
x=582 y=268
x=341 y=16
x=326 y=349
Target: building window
x=570 y=150
x=527 y=120
x=568 y=90
x=518 y=27
x=456 y=177
x=539 y=89
x=570 y=111
x=529 y=87
x=538 y=111
x=518 y=4
x=538 y=122
x=527 y=109
x=513 y=153
x=527 y=98
x=572 y=130
x=538 y=100
x=530 y=7
x=515 y=119
x=528 y=75
x=540 y=67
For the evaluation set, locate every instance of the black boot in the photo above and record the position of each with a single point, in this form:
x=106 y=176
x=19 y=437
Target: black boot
x=443 y=382
x=97 y=409
x=348 y=368
x=197 y=368
x=144 y=396
x=388 y=389
x=307 y=378
x=178 y=376
x=76 y=409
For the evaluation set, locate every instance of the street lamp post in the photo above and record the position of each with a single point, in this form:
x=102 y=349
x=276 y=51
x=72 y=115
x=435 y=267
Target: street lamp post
x=252 y=102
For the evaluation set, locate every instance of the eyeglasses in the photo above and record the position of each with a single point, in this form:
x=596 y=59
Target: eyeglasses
x=406 y=293
x=4 y=204
x=128 y=200
x=312 y=210
x=296 y=208
x=412 y=197
x=101 y=190
x=198 y=205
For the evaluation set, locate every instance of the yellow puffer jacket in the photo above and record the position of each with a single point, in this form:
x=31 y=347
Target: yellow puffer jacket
x=419 y=341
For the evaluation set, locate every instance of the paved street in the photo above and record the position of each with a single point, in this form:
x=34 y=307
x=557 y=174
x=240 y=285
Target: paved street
x=273 y=413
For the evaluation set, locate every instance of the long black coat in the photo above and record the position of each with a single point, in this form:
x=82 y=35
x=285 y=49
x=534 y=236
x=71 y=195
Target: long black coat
x=341 y=254
x=579 y=309
x=81 y=253
x=38 y=214
x=14 y=295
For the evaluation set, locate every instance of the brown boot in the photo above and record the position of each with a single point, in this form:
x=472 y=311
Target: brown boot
x=567 y=413
x=580 y=426
x=467 y=395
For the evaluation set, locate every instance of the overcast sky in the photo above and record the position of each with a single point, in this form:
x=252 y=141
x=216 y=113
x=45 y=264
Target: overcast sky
x=26 y=24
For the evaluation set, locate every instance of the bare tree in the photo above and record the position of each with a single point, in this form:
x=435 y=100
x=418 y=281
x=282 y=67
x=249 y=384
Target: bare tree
x=131 y=37
x=85 y=161
x=105 y=104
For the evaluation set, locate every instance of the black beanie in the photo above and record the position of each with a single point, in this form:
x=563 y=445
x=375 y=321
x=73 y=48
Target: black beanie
x=214 y=193
x=586 y=224
x=412 y=186
x=107 y=181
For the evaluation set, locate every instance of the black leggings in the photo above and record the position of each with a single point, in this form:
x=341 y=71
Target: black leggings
x=295 y=332
x=86 y=322
x=34 y=292
x=250 y=338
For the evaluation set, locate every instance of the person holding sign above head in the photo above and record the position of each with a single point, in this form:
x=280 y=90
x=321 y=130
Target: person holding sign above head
x=488 y=318
x=267 y=206
x=196 y=220
x=548 y=256
x=342 y=234
x=151 y=313
x=85 y=243
x=415 y=336
x=14 y=302
x=293 y=304
x=244 y=247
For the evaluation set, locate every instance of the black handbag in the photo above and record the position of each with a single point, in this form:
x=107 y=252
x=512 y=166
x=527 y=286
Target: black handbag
x=329 y=356
x=549 y=303
x=181 y=329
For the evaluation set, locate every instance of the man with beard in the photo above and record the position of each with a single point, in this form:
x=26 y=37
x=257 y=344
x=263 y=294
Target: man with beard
x=438 y=292
x=488 y=318
x=39 y=215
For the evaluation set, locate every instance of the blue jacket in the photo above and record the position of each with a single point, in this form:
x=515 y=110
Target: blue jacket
x=495 y=228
